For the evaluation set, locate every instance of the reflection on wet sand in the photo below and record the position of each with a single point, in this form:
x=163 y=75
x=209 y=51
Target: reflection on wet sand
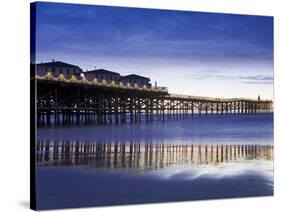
x=146 y=156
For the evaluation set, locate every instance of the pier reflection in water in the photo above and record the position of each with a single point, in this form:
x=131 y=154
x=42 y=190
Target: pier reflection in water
x=144 y=156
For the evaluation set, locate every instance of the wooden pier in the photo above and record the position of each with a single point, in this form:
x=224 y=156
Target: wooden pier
x=62 y=101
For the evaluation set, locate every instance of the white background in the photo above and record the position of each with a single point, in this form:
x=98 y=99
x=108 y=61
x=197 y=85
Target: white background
x=14 y=103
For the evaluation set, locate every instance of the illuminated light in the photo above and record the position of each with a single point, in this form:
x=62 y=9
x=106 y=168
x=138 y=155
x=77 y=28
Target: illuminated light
x=72 y=78
x=84 y=80
x=61 y=76
x=49 y=75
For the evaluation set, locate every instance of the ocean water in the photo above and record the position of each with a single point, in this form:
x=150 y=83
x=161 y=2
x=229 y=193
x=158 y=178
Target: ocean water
x=208 y=157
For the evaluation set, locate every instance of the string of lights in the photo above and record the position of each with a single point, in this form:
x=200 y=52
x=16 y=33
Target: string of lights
x=96 y=82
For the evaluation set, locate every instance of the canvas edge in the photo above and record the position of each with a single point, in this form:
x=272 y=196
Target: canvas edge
x=33 y=204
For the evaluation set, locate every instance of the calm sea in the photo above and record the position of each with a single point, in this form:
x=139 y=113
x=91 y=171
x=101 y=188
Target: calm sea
x=176 y=160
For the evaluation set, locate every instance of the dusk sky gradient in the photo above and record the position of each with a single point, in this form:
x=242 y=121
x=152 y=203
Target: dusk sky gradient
x=206 y=54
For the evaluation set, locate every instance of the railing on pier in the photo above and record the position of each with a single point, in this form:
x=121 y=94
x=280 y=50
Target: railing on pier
x=95 y=82
x=212 y=99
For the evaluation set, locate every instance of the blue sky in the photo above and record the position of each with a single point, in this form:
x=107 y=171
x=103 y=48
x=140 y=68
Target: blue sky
x=207 y=54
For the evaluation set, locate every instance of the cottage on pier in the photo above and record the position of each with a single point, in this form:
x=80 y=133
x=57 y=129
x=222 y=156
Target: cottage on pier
x=57 y=67
x=102 y=74
x=136 y=79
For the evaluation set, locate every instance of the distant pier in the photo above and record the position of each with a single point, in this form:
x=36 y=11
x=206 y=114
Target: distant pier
x=76 y=100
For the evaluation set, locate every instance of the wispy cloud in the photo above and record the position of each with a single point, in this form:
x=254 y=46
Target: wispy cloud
x=258 y=82
x=257 y=78
x=250 y=79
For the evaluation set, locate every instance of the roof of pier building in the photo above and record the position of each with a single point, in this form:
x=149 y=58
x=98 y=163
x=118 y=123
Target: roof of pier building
x=134 y=76
x=102 y=71
x=58 y=64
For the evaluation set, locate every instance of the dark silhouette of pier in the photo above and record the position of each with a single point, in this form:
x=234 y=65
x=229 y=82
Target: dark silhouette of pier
x=145 y=156
x=61 y=101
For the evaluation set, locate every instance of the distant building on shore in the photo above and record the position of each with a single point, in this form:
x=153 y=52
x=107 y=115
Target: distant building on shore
x=102 y=74
x=57 y=68
x=136 y=79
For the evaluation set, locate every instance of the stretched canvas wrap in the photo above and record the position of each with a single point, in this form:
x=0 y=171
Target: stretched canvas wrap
x=132 y=105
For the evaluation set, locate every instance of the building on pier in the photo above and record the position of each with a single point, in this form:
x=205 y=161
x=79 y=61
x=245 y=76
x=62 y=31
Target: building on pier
x=136 y=79
x=102 y=74
x=57 y=68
